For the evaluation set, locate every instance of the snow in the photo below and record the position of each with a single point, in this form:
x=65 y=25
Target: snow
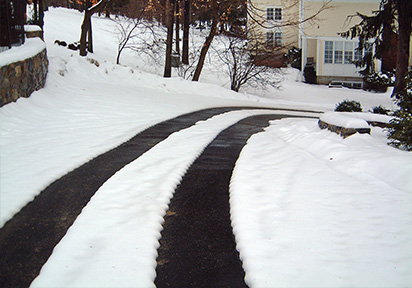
x=357 y=120
x=343 y=120
x=369 y=117
x=32 y=28
x=324 y=212
x=31 y=47
x=308 y=207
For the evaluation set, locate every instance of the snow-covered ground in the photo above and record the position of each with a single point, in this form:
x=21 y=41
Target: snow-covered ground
x=308 y=207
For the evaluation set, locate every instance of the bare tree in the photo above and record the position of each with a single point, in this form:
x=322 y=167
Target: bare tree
x=169 y=40
x=126 y=28
x=241 y=66
x=87 y=26
x=141 y=36
x=208 y=41
x=177 y=26
x=186 y=24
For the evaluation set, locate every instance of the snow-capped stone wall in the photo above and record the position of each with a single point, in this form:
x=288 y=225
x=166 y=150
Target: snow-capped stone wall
x=33 y=31
x=349 y=123
x=23 y=70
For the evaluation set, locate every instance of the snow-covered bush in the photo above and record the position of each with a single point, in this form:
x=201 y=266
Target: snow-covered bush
x=348 y=106
x=293 y=58
x=379 y=81
x=380 y=110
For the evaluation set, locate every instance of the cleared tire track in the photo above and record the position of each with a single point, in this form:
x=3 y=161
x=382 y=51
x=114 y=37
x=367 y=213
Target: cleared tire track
x=197 y=248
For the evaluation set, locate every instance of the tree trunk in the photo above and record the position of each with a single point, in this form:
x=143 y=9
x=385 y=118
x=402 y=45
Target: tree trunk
x=209 y=39
x=85 y=29
x=89 y=31
x=177 y=5
x=402 y=63
x=169 y=40
x=90 y=37
x=186 y=24
x=87 y=26
x=387 y=50
x=35 y=11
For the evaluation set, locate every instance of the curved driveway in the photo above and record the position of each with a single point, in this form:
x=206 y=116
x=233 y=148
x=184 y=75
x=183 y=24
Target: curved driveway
x=27 y=240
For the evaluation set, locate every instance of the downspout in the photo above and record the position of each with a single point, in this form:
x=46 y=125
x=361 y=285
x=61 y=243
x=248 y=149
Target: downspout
x=302 y=38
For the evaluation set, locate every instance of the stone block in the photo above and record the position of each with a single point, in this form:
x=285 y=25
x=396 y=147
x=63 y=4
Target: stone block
x=342 y=131
x=22 y=78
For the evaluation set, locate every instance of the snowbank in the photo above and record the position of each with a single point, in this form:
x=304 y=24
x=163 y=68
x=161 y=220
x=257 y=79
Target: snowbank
x=322 y=211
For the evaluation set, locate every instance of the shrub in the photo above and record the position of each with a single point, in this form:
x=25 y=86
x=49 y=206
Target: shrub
x=379 y=82
x=310 y=74
x=380 y=110
x=293 y=57
x=348 y=106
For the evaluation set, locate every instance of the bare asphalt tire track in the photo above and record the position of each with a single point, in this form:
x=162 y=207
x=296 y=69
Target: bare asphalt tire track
x=197 y=247
x=27 y=240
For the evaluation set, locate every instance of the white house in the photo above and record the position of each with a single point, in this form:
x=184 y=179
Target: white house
x=291 y=23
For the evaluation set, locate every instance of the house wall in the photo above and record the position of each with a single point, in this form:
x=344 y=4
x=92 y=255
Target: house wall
x=311 y=51
x=325 y=27
x=334 y=18
x=290 y=12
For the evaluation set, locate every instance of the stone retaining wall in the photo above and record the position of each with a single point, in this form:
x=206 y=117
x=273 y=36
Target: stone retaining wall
x=342 y=131
x=22 y=78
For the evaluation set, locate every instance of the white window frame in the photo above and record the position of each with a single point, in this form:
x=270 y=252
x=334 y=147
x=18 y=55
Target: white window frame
x=277 y=38
x=274 y=13
x=277 y=13
x=357 y=54
x=270 y=13
x=338 y=52
x=348 y=52
x=329 y=50
x=342 y=53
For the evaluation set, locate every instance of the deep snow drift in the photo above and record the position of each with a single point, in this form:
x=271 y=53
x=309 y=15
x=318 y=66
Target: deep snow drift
x=308 y=207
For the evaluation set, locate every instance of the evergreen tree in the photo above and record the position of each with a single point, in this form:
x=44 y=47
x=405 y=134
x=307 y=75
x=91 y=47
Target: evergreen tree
x=388 y=30
x=400 y=131
x=377 y=36
x=394 y=16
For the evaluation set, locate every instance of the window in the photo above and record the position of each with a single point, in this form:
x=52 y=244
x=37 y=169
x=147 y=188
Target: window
x=278 y=13
x=348 y=52
x=269 y=39
x=273 y=13
x=338 y=52
x=269 y=13
x=358 y=53
x=342 y=52
x=329 y=52
x=273 y=39
x=278 y=38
